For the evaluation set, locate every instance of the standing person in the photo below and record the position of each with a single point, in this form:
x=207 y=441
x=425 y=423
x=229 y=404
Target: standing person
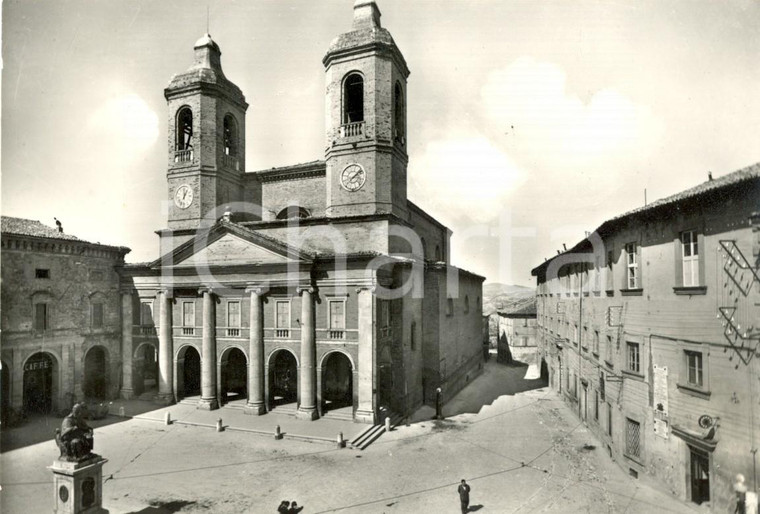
x=464 y=496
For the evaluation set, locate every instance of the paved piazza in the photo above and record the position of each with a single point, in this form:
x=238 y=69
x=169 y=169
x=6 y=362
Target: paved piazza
x=523 y=453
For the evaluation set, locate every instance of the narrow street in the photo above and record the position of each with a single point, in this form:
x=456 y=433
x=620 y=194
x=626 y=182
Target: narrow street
x=523 y=453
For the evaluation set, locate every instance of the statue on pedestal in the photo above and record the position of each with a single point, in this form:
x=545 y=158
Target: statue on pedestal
x=75 y=437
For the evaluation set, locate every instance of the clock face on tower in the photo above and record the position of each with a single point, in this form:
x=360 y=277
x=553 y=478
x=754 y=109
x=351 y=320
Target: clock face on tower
x=353 y=177
x=183 y=197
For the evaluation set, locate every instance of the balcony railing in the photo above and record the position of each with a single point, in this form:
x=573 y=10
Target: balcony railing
x=352 y=129
x=230 y=161
x=337 y=334
x=233 y=332
x=281 y=332
x=181 y=156
x=188 y=331
x=145 y=330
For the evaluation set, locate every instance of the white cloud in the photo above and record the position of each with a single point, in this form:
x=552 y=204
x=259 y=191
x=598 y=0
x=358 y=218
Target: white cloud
x=126 y=121
x=463 y=176
x=554 y=128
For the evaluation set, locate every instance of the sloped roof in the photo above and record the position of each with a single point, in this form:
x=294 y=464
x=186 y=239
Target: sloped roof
x=34 y=228
x=520 y=310
x=711 y=189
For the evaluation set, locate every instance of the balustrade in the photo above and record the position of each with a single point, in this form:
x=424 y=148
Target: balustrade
x=352 y=129
x=183 y=156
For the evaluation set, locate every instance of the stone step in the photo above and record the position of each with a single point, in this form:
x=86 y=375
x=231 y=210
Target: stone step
x=343 y=416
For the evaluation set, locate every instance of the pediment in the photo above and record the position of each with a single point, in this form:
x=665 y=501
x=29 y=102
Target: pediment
x=231 y=250
x=230 y=245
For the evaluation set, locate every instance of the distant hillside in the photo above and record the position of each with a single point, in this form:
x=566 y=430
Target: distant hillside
x=505 y=297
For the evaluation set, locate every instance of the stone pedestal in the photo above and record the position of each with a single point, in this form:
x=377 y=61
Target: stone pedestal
x=78 y=486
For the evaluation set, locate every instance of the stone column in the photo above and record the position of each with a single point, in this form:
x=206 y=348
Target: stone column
x=165 y=348
x=308 y=378
x=127 y=388
x=365 y=409
x=209 y=400
x=255 y=404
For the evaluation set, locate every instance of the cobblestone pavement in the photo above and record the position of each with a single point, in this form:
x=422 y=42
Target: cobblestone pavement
x=525 y=452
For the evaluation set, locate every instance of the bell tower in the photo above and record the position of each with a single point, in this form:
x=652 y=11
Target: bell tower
x=206 y=143
x=366 y=119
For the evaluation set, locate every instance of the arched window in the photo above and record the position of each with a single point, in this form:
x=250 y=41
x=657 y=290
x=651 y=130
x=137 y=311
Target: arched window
x=353 y=98
x=424 y=248
x=230 y=136
x=293 y=211
x=184 y=129
x=399 y=116
x=437 y=253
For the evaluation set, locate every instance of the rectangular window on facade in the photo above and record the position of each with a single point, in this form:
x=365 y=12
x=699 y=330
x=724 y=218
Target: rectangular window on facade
x=632 y=266
x=690 y=256
x=595 y=347
x=188 y=318
x=694 y=369
x=598 y=273
x=608 y=279
x=584 y=338
x=42 y=273
x=146 y=313
x=596 y=406
x=282 y=315
x=609 y=419
x=97 y=315
x=634 y=355
x=608 y=350
x=233 y=319
x=188 y=314
x=282 y=318
x=337 y=315
x=41 y=316
x=233 y=314
x=632 y=438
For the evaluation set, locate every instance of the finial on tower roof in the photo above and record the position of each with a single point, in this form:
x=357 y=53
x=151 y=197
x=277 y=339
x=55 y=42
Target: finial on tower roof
x=366 y=15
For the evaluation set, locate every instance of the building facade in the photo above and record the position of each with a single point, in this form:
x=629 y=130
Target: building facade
x=61 y=321
x=310 y=287
x=650 y=330
x=516 y=334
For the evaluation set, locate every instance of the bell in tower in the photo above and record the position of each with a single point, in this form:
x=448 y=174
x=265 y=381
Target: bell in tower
x=366 y=128
x=206 y=154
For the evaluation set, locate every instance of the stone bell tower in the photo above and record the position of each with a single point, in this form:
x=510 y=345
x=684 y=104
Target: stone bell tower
x=206 y=143
x=366 y=119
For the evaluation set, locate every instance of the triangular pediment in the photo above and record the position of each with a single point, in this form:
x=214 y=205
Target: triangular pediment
x=230 y=245
x=231 y=250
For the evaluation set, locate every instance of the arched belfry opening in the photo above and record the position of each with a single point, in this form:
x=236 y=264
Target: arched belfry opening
x=293 y=211
x=184 y=129
x=399 y=114
x=230 y=136
x=353 y=98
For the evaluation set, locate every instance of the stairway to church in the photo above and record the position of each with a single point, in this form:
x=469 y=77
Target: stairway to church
x=373 y=433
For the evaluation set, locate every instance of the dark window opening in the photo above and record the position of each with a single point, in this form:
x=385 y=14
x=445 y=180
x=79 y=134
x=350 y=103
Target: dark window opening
x=293 y=211
x=230 y=136
x=398 y=114
x=97 y=315
x=184 y=129
x=42 y=273
x=353 y=98
x=40 y=316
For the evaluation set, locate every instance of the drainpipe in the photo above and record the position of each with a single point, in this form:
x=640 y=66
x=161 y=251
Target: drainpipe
x=580 y=344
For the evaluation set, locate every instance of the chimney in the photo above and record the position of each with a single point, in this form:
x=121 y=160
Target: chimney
x=709 y=176
x=564 y=246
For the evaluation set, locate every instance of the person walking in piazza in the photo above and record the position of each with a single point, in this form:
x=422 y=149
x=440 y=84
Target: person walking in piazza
x=464 y=496
x=746 y=501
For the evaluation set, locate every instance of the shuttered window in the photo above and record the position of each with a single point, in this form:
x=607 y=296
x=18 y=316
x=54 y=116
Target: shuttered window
x=632 y=438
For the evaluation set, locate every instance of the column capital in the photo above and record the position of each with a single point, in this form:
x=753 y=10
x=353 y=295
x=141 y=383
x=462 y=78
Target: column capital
x=370 y=288
x=259 y=289
x=205 y=289
x=309 y=289
x=168 y=292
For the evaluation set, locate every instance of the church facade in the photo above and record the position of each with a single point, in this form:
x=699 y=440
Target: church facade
x=310 y=288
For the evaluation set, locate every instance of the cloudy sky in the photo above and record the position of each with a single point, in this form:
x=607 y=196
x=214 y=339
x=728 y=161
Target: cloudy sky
x=529 y=122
